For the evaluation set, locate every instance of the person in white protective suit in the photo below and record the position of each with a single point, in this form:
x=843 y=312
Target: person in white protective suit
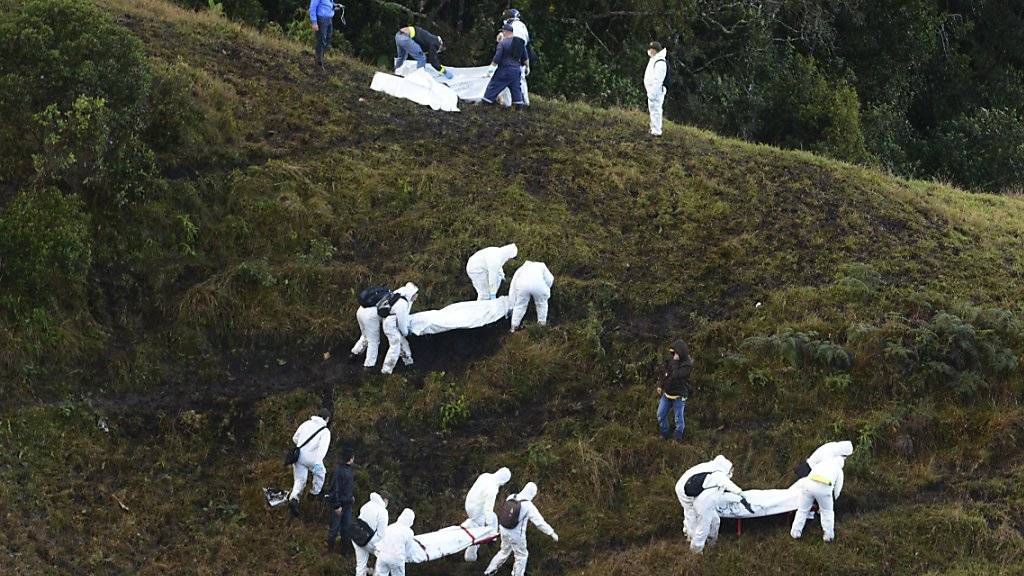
x=369 y=340
x=533 y=280
x=480 y=503
x=654 y=83
x=720 y=463
x=485 y=269
x=828 y=451
x=397 y=547
x=513 y=540
x=822 y=486
x=314 y=438
x=375 y=514
x=705 y=505
x=396 y=329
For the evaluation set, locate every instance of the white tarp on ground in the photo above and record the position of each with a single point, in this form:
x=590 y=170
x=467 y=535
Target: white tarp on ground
x=459 y=316
x=451 y=540
x=469 y=83
x=763 y=502
x=419 y=87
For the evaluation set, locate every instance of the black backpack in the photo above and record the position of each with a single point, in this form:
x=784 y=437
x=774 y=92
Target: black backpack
x=385 y=304
x=802 y=470
x=372 y=295
x=695 y=485
x=361 y=532
x=508 y=514
x=670 y=74
x=292 y=455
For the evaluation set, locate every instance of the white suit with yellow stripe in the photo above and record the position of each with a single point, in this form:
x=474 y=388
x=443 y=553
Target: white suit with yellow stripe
x=822 y=486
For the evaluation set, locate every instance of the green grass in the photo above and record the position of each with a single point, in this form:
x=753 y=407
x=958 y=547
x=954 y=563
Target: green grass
x=313 y=189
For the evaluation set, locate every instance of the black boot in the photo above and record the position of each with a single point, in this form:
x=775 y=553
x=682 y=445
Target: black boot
x=293 y=505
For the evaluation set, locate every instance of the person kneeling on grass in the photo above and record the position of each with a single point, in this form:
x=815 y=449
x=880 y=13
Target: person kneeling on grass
x=506 y=70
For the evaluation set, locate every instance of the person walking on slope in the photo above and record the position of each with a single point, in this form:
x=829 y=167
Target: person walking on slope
x=520 y=42
x=369 y=329
x=398 y=546
x=675 y=389
x=342 y=500
x=533 y=280
x=691 y=484
x=321 y=16
x=486 y=271
x=654 y=83
x=513 y=538
x=822 y=486
x=705 y=504
x=396 y=329
x=422 y=46
x=314 y=438
x=375 y=515
x=506 y=71
x=480 y=503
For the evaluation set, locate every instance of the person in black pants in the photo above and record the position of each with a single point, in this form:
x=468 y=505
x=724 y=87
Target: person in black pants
x=342 y=500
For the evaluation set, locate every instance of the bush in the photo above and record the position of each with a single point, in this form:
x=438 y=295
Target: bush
x=75 y=84
x=45 y=250
x=983 y=150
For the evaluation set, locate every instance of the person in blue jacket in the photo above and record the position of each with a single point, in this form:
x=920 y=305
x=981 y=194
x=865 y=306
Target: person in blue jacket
x=422 y=46
x=321 y=15
x=506 y=70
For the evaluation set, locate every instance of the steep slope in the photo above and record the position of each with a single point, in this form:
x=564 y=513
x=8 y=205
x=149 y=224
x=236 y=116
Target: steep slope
x=888 y=315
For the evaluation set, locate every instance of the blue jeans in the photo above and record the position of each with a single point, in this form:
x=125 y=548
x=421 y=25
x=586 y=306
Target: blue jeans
x=678 y=406
x=510 y=77
x=323 y=36
x=407 y=47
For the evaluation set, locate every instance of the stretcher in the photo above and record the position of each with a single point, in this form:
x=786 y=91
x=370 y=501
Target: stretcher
x=418 y=86
x=469 y=83
x=761 y=503
x=451 y=540
x=459 y=316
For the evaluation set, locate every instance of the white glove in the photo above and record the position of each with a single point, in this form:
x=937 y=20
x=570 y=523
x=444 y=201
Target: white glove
x=555 y=536
x=527 y=68
x=490 y=70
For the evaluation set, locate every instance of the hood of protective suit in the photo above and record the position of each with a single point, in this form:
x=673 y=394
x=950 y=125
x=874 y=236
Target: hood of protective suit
x=723 y=464
x=406 y=518
x=844 y=448
x=682 y=349
x=409 y=291
x=509 y=251
x=528 y=492
x=503 y=475
x=377 y=499
x=660 y=55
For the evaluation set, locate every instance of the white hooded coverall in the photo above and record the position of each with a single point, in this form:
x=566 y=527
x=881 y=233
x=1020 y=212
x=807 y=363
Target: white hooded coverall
x=485 y=269
x=513 y=540
x=398 y=545
x=823 y=485
x=480 y=503
x=531 y=280
x=654 y=83
x=520 y=31
x=396 y=329
x=829 y=451
x=720 y=463
x=705 y=507
x=311 y=456
x=375 y=514
x=369 y=341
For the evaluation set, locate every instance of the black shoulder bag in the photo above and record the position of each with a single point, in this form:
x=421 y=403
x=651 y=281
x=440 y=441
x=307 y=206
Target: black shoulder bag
x=292 y=455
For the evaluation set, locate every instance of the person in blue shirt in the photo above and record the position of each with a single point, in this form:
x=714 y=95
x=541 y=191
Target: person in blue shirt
x=321 y=15
x=506 y=70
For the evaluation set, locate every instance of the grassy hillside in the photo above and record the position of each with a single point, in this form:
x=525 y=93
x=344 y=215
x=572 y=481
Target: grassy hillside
x=141 y=427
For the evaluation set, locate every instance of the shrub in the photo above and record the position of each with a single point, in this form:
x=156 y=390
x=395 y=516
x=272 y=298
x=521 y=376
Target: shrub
x=63 y=63
x=982 y=150
x=45 y=250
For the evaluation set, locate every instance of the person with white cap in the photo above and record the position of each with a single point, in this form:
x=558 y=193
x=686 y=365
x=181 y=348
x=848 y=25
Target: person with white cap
x=654 y=83
x=375 y=515
x=486 y=271
x=521 y=512
x=705 y=504
x=313 y=438
x=691 y=484
x=396 y=328
x=398 y=546
x=822 y=486
x=480 y=503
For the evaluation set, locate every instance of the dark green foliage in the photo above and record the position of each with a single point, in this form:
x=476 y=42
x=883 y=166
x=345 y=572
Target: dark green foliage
x=983 y=150
x=45 y=251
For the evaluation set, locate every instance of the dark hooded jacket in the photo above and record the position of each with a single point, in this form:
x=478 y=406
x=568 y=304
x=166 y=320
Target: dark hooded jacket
x=675 y=381
x=430 y=43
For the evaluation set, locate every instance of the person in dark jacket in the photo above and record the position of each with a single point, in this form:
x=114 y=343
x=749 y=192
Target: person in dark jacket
x=675 y=389
x=422 y=46
x=506 y=70
x=342 y=500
